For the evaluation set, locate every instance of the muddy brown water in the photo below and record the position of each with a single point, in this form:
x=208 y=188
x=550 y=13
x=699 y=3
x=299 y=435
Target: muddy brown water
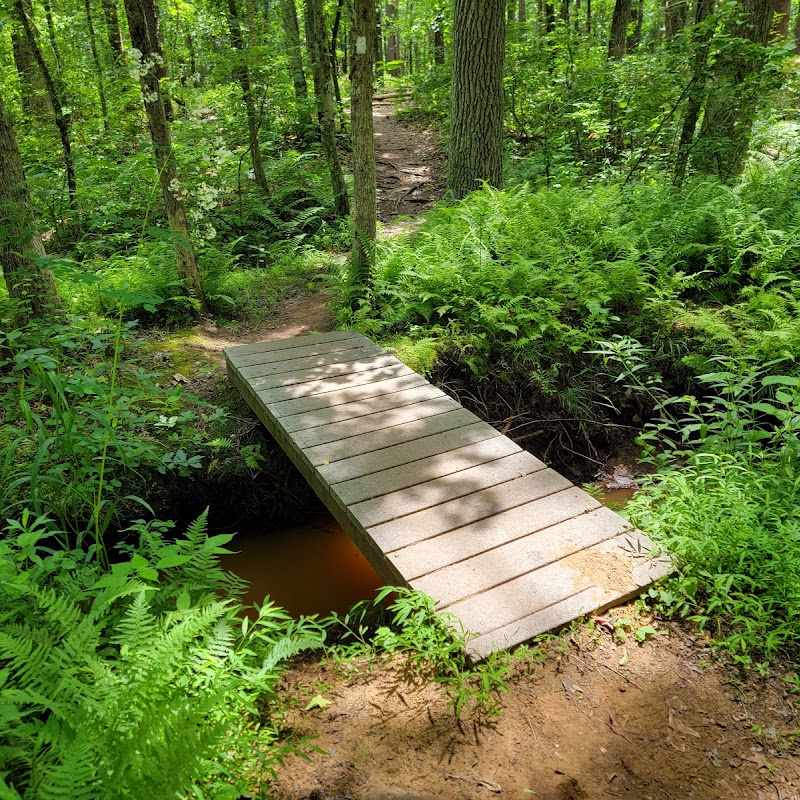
x=314 y=568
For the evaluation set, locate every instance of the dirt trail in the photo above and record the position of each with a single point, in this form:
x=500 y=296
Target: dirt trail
x=409 y=166
x=599 y=719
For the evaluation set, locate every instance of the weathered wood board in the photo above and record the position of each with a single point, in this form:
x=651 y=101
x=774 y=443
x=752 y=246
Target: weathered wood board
x=435 y=498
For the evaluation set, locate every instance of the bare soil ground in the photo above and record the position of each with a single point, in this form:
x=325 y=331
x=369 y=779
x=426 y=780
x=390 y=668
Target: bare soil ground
x=660 y=720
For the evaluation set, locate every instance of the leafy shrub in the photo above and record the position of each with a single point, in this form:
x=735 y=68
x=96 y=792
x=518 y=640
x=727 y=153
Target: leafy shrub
x=140 y=682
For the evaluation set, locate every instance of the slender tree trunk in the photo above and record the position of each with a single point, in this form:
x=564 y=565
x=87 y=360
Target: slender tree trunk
x=51 y=33
x=588 y=17
x=20 y=243
x=392 y=39
x=241 y=73
x=563 y=13
x=98 y=67
x=797 y=34
x=733 y=95
x=637 y=13
x=153 y=23
x=60 y=118
x=380 y=58
x=619 y=29
x=364 y=190
x=192 y=60
x=549 y=16
x=438 y=40
x=337 y=21
x=112 y=30
x=522 y=15
x=162 y=145
x=476 y=127
x=291 y=32
x=317 y=41
x=674 y=17
x=702 y=46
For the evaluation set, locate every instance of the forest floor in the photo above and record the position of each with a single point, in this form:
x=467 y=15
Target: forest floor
x=592 y=718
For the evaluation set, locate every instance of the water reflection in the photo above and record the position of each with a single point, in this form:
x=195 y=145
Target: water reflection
x=313 y=568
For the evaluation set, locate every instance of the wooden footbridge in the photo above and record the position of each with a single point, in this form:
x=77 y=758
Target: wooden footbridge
x=435 y=498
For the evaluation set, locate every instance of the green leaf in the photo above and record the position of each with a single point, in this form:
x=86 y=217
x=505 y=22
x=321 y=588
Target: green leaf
x=645 y=632
x=318 y=701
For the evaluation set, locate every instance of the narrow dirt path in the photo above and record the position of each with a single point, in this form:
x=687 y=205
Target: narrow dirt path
x=410 y=168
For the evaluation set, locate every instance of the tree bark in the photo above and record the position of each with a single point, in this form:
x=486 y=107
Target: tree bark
x=476 y=126
x=702 y=46
x=780 y=24
x=337 y=21
x=317 y=42
x=32 y=92
x=392 y=39
x=241 y=73
x=291 y=32
x=734 y=91
x=98 y=67
x=112 y=30
x=20 y=243
x=364 y=189
x=522 y=13
x=438 y=40
x=637 y=15
x=51 y=33
x=153 y=23
x=674 y=17
x=60 y=118
x=618 y=38
x=162 y=145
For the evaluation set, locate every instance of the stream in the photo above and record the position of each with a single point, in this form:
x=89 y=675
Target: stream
x=314 y=568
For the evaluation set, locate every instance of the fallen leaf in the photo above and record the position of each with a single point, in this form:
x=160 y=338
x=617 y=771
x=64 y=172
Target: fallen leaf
x=318 y=701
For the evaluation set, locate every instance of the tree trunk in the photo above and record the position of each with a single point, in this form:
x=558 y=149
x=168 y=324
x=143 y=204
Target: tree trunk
x=61 y=119
x=364 y=190
x=112 y=30
x=588 y=17
x=563 y=13
x=522 y=13
x=291 y=32
x=162 y=145
x=51 y=33
x=392 y=40
x=379 y=54
x=317 y=42
x=780 y=24
x=32 y=92
x=337 y=21
x=702 y=46
x=797 y=34
x=241 y=73
x=637 y=14
x=674 y=17
x=20 y=243
x=98 y=67
x=153 y=23
x=438 y=40
x=476 y=127
x=733 y=95
x=549 y=16
x=619 y=29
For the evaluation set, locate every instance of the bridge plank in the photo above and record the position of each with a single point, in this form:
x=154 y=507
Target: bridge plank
x=233 y=354
x=313 y=349
x=323 y=373
x=463 y=511
x=311 y=362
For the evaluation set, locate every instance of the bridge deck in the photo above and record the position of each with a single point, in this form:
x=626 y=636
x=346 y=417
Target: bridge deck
x=435 y=498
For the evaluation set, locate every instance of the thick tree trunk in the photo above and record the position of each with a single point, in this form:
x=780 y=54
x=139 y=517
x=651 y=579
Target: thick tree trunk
x=32 y=92
x=702 y=46
x=60 y=118
x=153 y=22
x=98 y=67
x=241 y=73
x=733 y=94
x=549 y=16
x=364 y=190
x=317 y=42
x=780 y=25
x=522 y=15
x=112 y=30
x=476 y=126
x=291 y=32
x=618 y=38
x=162 y=145
x=20 y=243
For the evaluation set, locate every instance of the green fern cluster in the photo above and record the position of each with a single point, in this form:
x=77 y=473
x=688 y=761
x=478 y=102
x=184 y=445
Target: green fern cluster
x=141 y=682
